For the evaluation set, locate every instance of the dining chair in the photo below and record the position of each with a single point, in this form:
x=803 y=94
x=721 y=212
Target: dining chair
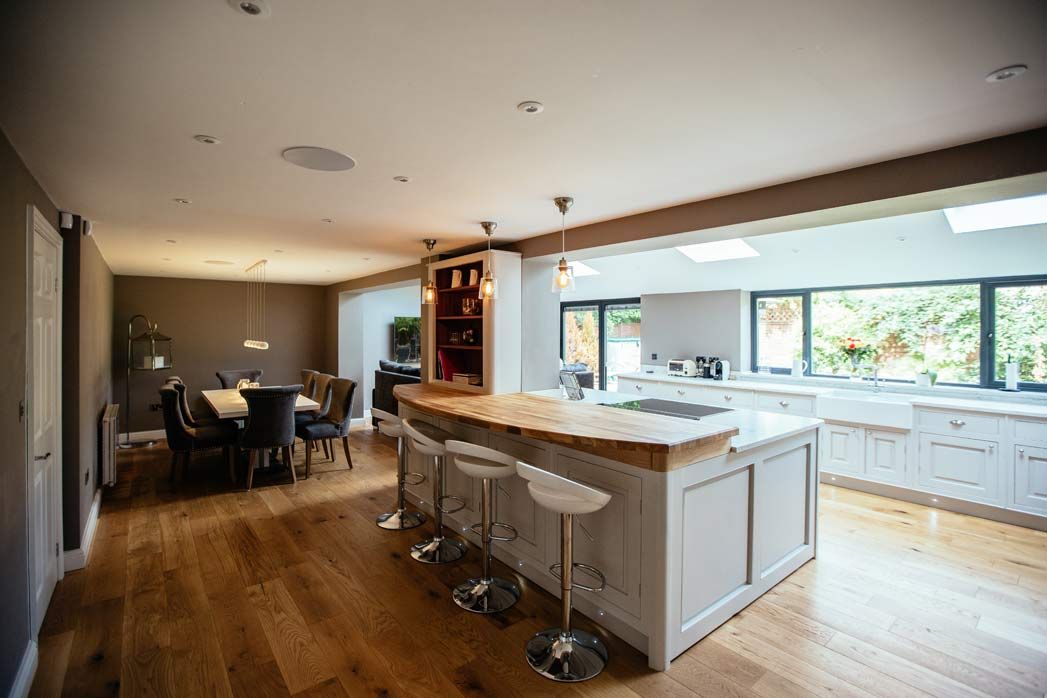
x=333 y=425
x=230 y=378
x=183 y=402
x=309 y=382
x=321 y=394
x=183 y=439
x=270 y=425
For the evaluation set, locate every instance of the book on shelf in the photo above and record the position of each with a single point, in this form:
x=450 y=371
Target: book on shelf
x=468 y=378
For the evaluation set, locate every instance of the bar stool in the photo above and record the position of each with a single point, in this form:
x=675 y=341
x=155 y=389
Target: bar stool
x=565 y=654
x=401 y=519
x=429 y=441
x=485 y=594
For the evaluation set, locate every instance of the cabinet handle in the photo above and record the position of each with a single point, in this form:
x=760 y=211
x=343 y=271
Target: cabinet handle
x=43 y=457
x=1021 y=451
x=728 y=398
x=957 y=422
x=854 y=431
x=639 y=387
x=679 y=392
x=783 y=403
x=992 y=446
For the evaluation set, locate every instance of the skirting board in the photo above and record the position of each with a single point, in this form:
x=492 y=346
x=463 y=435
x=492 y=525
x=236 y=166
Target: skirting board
x=26 y=671
x=76 y=559
x=960 y=506
x=140 y=436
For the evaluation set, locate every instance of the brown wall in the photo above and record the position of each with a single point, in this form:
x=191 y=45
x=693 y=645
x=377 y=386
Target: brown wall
x=17 y=189
x=205 y=320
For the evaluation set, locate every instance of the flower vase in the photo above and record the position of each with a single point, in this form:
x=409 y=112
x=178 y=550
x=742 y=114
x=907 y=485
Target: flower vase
x=856 y=372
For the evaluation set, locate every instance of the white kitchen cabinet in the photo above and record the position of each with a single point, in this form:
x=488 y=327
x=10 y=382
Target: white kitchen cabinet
x=885 y=455
x=1030 y=479
x=515 y=506
x=628 y=386
x=726 y=397
x=786 y=403
x=842 y=449
x=958 y=466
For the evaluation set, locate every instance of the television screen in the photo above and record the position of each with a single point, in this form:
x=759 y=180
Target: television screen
x=407 y=339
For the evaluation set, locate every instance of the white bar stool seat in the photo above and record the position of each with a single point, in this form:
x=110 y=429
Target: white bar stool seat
x=485 y=594
x=429 y=440
x=565 y=654
x=400 y=520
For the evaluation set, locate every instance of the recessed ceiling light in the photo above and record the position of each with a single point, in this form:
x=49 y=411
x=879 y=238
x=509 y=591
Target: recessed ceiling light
x=277 y=250
x=1011 y=71
x=182 y=201
x=327 y=271
x=327 y=220
x=581 y=269
x=719 y=251
x=315 y=158
x=251 y=8
x=166 y=259
x=367 y=259
x=401 y=179
x=1009 y=213
x=209 y=140
x=171 y=242
x=219 y=262
x=530 y=107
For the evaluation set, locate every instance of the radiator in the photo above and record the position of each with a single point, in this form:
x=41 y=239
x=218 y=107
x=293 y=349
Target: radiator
x=110 y=434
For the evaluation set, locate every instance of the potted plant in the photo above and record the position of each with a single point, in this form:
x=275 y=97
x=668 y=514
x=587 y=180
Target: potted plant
x=926 y=377
x=858 y=352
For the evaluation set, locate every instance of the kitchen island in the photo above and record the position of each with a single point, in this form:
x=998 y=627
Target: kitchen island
x=705 y=515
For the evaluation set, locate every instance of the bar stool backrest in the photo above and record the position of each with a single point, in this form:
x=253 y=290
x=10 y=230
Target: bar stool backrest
x=388 y=423
x=427 y=439
x=480 y=461
x=560 y=494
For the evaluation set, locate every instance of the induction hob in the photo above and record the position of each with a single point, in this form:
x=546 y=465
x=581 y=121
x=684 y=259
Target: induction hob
x=669 y=408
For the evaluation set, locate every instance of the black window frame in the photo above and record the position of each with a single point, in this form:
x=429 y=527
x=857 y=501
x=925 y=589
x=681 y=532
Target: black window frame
x=601 y=307
x=986 y=316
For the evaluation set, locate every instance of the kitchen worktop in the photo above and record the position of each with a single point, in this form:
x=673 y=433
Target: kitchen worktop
x=660 y=375
x=656 y=442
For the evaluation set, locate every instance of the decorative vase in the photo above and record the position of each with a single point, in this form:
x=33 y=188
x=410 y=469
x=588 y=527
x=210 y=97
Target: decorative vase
x=856 y=372
x=923 y=380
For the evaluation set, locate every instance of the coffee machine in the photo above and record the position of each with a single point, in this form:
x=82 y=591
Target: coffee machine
x=712 y=367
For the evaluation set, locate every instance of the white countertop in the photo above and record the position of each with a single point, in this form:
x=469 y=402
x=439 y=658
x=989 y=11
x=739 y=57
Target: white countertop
x=1019 y=409
x=755 y=427
x=230 y=404
x=792 y=388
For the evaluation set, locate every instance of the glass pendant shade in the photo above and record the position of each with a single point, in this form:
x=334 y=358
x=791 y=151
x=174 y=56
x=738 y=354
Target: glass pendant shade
x=429 y=293
x=488 y=286
x=563 y=278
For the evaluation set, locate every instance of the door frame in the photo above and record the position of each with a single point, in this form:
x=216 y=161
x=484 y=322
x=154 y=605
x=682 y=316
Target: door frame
x=601 y=310
x=36 y=222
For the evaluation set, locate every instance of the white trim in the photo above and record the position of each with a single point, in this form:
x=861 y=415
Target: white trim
x=26 y=671
x=77 y=559
x=141 y=436
x=358 y=421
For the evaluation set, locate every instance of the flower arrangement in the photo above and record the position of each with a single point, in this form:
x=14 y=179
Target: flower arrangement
x=857 y=350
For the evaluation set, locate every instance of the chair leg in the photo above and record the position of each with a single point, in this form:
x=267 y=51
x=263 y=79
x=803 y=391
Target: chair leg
x=308 y=458
x=252 y=460
x=174 y=465
x=345 y=447
x=232 y=464
x=290 y=463
x=323 y=443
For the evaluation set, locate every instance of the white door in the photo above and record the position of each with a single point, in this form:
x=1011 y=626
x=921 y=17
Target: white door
x=45 y=474
x=959 y=467
x=1030 y=478
x=843 y=449
x=885 y=455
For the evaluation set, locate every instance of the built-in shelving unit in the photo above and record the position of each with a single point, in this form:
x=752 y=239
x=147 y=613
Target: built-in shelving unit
x=470 y=335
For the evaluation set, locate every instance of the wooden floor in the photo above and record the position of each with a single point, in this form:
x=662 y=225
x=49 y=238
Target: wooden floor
x=205 y=590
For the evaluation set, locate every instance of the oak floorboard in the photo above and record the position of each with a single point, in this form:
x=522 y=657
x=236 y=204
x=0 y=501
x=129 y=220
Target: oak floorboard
x=200 y=588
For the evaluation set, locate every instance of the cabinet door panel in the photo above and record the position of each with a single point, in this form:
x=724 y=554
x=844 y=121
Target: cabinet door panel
x=609 y=539
x=885 y=456
x=959 y=467
x=1030 y=478
x=458 y=483
x=842 y=449
x=514 y=504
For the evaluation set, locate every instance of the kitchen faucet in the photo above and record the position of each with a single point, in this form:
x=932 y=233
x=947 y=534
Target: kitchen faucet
x=876 y=376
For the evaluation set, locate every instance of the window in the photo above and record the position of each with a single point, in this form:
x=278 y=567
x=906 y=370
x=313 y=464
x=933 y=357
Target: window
x=603 y=335
x=963 y=330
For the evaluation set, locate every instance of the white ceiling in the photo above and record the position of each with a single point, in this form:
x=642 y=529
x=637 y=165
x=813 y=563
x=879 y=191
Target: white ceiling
x=914 y=247
x=647 y=105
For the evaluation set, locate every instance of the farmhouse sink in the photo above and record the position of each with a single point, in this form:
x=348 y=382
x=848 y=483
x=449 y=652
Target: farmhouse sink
x=876 y=409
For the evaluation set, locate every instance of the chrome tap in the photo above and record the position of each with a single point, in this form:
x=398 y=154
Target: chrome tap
x=876 y=376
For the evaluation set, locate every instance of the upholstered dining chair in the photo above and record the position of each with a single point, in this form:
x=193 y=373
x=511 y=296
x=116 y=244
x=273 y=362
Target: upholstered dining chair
x=270 y=425
x=308 y=382
x=230 y=378
x=322 y=394
x=183 y=402
x=333 y=425
x=183 y=439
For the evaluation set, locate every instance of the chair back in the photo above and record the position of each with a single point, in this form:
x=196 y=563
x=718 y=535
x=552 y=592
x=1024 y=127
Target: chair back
x=480 y=461
x=183 y=401
x=340 y=414
x=322 y=393
x=309 y=381
x=388 y=423
x=560 y=494
x=426 y=438
x=270 y=416
x=230 y=378
x=175 y=428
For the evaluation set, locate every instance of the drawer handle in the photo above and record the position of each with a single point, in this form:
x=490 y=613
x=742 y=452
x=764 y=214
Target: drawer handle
x=957 y=422
x=639 y=387
x=783 y=403
x=728 y=398
x=679 y=392
x=992 y=446
x=1021 y=451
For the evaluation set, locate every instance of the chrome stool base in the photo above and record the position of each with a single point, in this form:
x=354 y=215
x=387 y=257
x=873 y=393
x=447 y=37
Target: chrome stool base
x=400 y=520
x=492 y=596
x=577 y=656
x=438 y=551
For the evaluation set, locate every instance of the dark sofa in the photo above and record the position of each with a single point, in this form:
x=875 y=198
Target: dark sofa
x=389 y=375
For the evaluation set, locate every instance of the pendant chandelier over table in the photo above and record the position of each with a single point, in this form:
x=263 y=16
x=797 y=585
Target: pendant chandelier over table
x=256 y=307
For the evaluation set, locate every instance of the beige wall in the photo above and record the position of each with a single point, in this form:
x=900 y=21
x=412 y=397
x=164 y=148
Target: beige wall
x=706 y=323
x=205 y=320
x=18 y=188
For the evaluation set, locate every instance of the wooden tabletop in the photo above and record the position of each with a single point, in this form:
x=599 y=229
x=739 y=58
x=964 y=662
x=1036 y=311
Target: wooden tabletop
x=230 y=404
x=645 y=440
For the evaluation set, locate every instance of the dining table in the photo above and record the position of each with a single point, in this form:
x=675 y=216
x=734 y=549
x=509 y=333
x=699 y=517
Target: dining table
x=228 y=403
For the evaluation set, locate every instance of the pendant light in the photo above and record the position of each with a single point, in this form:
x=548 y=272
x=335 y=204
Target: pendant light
x=429 y=290
x=563 y=279
x=488 y=284
x=256 y=324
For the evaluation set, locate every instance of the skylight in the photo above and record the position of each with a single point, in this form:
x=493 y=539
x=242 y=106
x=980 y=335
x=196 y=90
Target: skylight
x=719 y=251
x=582 y=269
x=1028 y=210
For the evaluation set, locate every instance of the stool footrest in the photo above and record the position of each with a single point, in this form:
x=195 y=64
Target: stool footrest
x=414 y=478
x=439 y=504
x=555 y=570
x=477 y=528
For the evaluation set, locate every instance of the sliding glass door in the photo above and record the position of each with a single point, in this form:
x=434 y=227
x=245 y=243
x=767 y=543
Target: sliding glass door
x=603 y=335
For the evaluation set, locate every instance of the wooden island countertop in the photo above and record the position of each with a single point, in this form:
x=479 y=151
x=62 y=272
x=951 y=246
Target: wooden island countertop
x=655 y=442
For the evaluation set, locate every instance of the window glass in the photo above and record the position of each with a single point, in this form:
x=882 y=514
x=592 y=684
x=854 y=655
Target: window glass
x=779 y=331
x=1021 y=331
x=622 y=343
x=581 y=337
x=904 y=330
